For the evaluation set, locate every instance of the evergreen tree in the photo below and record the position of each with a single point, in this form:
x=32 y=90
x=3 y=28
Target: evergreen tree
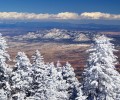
x=69 y=76
x=80 y=95
x=59 y=66
x=58 y=85
x=39 y=77
x=18 y=96
x=100 y=78
x=21 y=77
x=4 y=77
x=45 y=84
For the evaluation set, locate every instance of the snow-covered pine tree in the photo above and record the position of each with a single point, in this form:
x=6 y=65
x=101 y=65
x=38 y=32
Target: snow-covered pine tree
x=4 y=77
x=39 y=77
x=80 y=95
x=21 y=77
x=59 y=66
x=45 y=83
x=69 y=75
x=51 y=92
x=57 y=84
x=18 y=96
x=100 y=78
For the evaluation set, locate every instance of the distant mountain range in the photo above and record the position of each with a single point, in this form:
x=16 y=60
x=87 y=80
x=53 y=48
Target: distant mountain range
x=62 y=25
x=60 y=36
x=54 y=35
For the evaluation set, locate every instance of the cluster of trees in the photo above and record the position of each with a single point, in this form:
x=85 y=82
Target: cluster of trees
x=46 y=81
x=37 y=80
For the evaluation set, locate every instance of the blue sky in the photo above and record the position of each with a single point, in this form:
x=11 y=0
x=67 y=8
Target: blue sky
x=60 y=9
x=56 y=6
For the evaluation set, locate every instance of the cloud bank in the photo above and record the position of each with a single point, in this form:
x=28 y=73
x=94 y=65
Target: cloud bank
x=59 y=16
x=99 y=15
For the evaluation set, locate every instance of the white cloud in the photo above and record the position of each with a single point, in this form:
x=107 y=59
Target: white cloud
x=59 y=16
x=23 y=16
x=33 y=16
x=99 y=15
x=67 y=15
